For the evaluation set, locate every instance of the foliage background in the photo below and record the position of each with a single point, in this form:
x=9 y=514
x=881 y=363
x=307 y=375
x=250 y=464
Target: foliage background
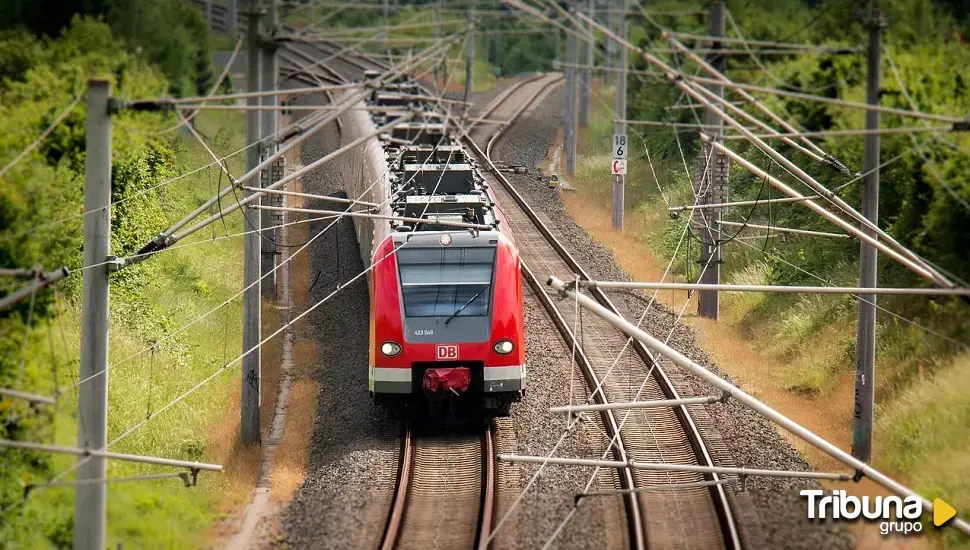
x=147 y=49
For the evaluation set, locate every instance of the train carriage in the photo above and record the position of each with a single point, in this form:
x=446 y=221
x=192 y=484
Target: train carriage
x=446 y=327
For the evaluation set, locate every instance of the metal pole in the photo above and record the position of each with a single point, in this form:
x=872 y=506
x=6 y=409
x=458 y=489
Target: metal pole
x=570 y=131
x=437 y=38
x=249 y=407
x=611 y=46
x=585 y=79
x=619 y=127
x=269 y=75
x=90 y=501
x=711 y=185
x=866 y=329
x=555 y=61
x=385 y=34
x=470 y=55
x=232 y=19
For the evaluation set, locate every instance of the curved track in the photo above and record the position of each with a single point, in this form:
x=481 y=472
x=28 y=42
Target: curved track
x=445 y=492
x=694 y=518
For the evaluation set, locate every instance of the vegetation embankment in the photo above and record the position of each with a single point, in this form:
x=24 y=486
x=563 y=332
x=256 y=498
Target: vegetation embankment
x=163 y=340
x=799 y=350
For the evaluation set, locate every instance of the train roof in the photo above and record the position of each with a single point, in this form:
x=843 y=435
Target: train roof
x=433 y=177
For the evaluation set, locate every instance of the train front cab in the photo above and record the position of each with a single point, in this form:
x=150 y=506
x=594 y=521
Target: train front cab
x=446 y=321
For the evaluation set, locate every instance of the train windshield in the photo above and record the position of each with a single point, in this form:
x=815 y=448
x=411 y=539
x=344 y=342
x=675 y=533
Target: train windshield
x=437 y=282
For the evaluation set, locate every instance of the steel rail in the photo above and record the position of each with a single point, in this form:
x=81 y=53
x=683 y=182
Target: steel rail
x=396 y=517
x=718 y=494
x=406 y=478
x=487 y=508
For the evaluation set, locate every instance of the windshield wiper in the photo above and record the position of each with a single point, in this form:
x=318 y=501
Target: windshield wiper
x=463 y=306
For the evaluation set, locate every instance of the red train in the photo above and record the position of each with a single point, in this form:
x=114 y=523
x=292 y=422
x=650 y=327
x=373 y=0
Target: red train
x=446 y=320
x=446 y=326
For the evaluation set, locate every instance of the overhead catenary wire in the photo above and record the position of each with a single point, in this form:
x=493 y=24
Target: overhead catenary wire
x=163 y=238
x=283 y=132
x=926 y=160
x=290 y=177
x=909 y=258
x=757 y=61
x=744 y=41
x=853 y=132
x=816 y=152
x=199 y=102
x=781 y=186
x=756 y=405
x=831 y=101
x=575 y=420
x=858 y=177
x=53 y=125
x=239 y=358
x=342 y=51
x=240 y=293
x=153 y=414
x=639 y=392
x=215 y=86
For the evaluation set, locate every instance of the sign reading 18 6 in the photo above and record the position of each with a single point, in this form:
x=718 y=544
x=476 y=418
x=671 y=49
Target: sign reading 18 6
x=619 y=146
x=618 y=166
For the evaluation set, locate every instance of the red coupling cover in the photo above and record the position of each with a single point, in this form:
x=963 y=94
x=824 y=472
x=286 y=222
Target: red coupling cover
x=446 y=380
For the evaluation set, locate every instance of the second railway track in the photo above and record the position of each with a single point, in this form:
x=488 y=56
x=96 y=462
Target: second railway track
x=658 y=517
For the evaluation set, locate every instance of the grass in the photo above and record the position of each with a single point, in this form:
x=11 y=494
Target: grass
x=797 y=353
x=924 y=434
x=169 y=289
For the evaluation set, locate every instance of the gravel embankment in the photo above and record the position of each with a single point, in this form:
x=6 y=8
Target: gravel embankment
x=773 y=513
x=354 y=447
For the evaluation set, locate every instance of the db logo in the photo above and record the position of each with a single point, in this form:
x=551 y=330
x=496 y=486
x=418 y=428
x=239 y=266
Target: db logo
x=446 y=353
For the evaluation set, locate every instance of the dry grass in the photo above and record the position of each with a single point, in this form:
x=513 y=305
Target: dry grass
x=241 y=469
x=289 y=470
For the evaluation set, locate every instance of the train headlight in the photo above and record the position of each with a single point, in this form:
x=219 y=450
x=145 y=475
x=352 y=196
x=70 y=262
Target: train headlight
x=445 y=239
x=390 y=349
x=504 y=347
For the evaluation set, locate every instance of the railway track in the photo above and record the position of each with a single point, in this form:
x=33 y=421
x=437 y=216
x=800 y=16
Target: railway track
x=445 y=492
x=694 y=517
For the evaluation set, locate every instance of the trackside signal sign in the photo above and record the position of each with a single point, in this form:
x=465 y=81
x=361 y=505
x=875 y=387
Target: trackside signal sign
x=619 y=146
x=618 y=166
